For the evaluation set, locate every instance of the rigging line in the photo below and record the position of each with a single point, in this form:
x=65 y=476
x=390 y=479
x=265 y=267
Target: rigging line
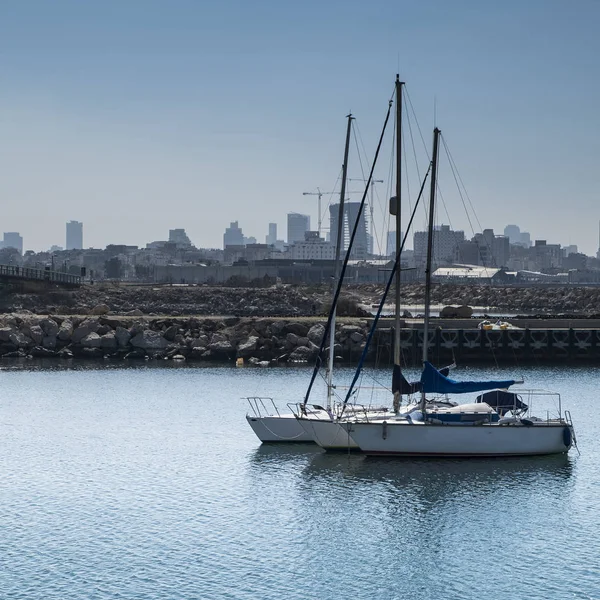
x=462 y=183
x=417 y=123
x=456 y=174
x=347 y=257
x=406 y=173
x=374 y=192
x=457 y=185
x=387 y=289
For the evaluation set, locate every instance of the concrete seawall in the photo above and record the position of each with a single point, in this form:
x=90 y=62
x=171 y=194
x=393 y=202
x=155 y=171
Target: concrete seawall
x=510 y=346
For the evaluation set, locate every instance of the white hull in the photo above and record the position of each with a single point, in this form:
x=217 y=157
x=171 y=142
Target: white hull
x=417 y=439
x=279 y=428
x=328 y=434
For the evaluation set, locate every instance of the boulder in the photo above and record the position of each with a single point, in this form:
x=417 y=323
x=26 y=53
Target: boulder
x=149 y=340
x=87 y=327
x=36 y=334
x=315 y=334
x=171 y=332
x=49 y=341
x=103 y=329
x=456 y=312
x=134 y=313
x=248 y=347
x=179 y=357
x=64 y=353
x=302 y=341
x=122 y=336
x=218 y=337
x=357 y=337
x=19 y=339
x=291 y=339
x=100 y=309
x=137 y=353
x=221 y=349
x=65 y=331
x=108 y=341
x=301 y=354
x=300 y=329
x=50 y=327
x=91 y=340
x=200 y=342
x=5 y=334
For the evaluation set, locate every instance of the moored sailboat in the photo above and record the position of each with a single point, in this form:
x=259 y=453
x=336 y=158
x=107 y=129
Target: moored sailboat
x=498 y=423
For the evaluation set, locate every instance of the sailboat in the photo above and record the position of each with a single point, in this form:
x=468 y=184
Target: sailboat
x=498 y=423
x=324 y=428
x=265 y=419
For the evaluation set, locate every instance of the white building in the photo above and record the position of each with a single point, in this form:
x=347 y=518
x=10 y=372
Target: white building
x=312 y=248
x=179 y=238
x=12 y=239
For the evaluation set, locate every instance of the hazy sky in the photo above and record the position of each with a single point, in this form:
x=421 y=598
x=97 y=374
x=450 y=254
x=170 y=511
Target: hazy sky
x=137 y=116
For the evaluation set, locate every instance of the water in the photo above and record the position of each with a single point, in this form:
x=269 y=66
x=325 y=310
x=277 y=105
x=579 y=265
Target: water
x=147 y=483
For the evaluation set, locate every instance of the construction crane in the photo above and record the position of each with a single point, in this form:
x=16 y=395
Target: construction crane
x=373 y=182
x=320 y=194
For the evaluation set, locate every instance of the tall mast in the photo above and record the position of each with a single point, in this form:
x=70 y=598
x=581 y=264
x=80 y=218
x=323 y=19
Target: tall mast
x=399 y=84
x=434 y=161
x=338 y=249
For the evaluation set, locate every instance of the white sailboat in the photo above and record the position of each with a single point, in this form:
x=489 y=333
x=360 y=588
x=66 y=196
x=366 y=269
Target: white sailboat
x=265 y=419
x=499 y=423
x=325 y=427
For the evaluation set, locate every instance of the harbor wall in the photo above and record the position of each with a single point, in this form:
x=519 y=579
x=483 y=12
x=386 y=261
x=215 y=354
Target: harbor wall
x=271 y=341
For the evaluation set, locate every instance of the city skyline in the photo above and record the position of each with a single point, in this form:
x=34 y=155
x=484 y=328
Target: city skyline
x=121 y=133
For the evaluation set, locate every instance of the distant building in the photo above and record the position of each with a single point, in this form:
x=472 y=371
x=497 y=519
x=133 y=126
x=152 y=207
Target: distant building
x=55 y=249
x=491 y=250
x=179 y=238
x=12 y=239
x=297 y=226
x=248 y=241
x=572 y=249
x=513 y=233
x=312 y=248
x=391 y=243
x=271 y=238
x=546 y=256
x=445 y=245
x=74 y=235
x=360 y=247
x=233 y=235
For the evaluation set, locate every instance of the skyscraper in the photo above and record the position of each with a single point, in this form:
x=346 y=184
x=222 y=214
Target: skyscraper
x=74 y=235
x=361 y=242
x=12 y=239
x=233 y=235
x=297 y=226
x=271 y=237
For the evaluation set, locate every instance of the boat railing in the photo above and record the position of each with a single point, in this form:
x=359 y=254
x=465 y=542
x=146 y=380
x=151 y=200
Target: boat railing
x=260 y=406
x=305 y=410
x=532 y=396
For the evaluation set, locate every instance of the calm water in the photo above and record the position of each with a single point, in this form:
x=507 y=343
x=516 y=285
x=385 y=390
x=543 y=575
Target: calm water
x=148 y=483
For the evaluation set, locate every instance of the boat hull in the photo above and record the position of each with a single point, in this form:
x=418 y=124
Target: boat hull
x=281 y=428
x=404 y=439
x=328 y=434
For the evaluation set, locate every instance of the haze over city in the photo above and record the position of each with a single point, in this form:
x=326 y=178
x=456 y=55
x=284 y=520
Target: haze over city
x=140 y=117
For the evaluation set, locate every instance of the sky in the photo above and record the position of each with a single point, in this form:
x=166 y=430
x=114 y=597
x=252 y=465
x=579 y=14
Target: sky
x=140 y=116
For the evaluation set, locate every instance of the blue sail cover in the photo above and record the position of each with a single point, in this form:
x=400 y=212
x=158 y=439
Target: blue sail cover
x=436 y=383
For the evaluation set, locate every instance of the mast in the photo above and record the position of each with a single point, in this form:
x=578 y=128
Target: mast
x=338 y=249
x=434 y=161
x=398 y=204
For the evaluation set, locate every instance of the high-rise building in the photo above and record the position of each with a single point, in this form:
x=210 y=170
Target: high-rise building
x=12 y=239
x=179 y=238
x=233 y=235
x=445 y=245
x=361 y=241
x=513 y=233
x=74 y=235
x=391 y=243
x=297 y=226
x=271 y=237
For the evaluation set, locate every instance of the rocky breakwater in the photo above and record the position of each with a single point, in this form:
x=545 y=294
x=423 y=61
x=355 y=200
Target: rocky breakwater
x=259 y=341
